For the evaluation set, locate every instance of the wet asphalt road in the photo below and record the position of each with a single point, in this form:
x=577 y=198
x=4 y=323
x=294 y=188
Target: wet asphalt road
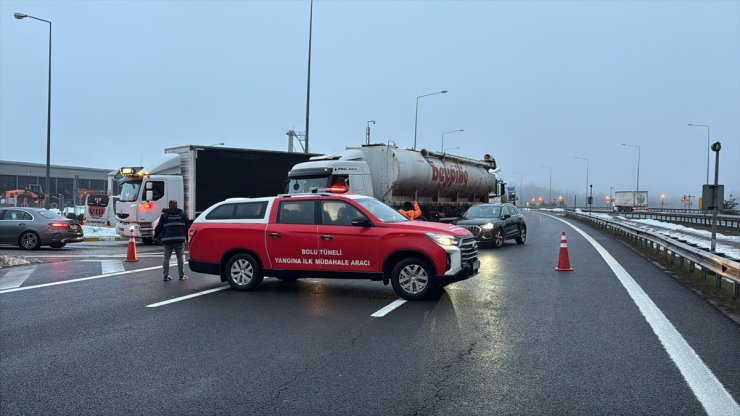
x=519 y=338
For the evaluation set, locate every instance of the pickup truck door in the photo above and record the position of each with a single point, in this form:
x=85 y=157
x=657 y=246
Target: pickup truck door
x=292 y=240
x=342 y=246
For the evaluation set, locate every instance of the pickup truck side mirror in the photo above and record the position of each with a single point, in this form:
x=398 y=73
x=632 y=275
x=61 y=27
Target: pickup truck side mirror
x=507 y=216
x=361 y=222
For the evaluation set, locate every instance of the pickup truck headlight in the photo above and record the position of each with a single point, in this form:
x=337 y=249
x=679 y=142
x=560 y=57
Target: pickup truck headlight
x=487 y=227
x=443 y=240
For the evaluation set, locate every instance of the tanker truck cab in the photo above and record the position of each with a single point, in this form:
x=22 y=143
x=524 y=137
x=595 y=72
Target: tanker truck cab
x=348 y=171
x=144 y=196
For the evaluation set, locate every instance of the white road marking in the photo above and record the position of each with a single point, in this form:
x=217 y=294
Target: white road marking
x=111 y=266
x=194 y=295
x=16 y=277
x=385 y=311
x=706 y=387
x=81 y=279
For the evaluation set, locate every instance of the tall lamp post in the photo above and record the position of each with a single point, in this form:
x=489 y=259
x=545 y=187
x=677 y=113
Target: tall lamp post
x=448 y=132
x=549 y=196
x=521 y=188
x=416 y=117
x=583 y=158
x=707 y=126
x=48 y=114
x=367 y=132
x=638 y=163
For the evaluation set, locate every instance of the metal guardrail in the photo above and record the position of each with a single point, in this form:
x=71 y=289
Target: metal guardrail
x=684 y=216
x=721 y=267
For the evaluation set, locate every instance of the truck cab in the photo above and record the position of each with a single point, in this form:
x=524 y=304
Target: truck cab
x=348 y=170
x=143 y=197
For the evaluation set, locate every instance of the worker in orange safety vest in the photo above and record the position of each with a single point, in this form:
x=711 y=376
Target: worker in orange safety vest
x=410 y=212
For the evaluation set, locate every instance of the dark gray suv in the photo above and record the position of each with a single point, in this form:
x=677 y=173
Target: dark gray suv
x=494 y=223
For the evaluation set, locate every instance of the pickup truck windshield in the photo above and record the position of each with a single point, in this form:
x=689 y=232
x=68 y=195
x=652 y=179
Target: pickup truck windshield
x=130 y=191
x=381 y=210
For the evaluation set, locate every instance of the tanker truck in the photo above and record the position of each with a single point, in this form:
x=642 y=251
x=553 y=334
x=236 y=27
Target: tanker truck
x=443 y=184
x=197 y=177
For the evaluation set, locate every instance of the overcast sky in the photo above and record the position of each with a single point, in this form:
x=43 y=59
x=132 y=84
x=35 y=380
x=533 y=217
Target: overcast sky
x=532 y=83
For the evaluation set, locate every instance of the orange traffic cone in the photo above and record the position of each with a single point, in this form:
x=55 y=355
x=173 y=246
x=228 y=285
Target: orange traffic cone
x=131 y=255
x=563 y=261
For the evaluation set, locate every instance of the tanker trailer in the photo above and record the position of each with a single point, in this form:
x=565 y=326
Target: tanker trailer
x=443 y=184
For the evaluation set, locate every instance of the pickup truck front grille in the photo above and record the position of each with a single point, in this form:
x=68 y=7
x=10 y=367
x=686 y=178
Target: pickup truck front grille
x=468 y=249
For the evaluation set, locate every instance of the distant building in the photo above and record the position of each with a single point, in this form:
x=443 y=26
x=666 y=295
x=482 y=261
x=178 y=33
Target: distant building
x=65 y=182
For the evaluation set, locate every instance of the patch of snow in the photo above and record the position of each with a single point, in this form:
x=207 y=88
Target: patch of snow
x=101 y=232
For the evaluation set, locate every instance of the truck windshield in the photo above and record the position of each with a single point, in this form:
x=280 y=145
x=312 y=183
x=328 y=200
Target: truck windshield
x=381 y=210
x=302 y=185
x=130 y=191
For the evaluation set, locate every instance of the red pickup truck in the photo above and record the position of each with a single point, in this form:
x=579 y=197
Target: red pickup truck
x=328 y=235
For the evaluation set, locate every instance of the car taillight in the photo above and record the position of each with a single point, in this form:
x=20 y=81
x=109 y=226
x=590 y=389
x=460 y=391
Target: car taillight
x=338 y=189
x=58 y=225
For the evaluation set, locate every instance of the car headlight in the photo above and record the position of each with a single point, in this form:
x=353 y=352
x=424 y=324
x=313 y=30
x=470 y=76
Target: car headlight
x=443 y=240
x=488 y=227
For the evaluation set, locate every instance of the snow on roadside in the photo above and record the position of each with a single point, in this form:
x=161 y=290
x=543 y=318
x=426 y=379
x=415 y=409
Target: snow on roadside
x=6 y=261
x=699 y=238
x=103 y=233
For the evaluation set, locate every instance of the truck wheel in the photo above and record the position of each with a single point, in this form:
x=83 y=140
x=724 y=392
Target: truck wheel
x=412 y=279
x=243 y=272
x=498 y=238
x=522 y=235
x=29 y=241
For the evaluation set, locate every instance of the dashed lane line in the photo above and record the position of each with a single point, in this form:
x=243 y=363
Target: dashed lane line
x=386 y=310
x=181 y=298
x=703 y=383
x=16 y=277
x=81 y=279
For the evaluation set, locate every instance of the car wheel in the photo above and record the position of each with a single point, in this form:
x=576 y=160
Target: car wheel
x=243 y=272
x=57 y=245
x=498 y=238
x=412 y=279
x=29 y=241
x=522 y=235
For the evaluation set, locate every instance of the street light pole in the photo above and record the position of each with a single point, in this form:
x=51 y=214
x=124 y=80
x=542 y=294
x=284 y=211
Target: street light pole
x=48 y=115
x=308 y=77
x=448 y=132
x=521 y=188
x=583 y=158
x=416 y=117
x=638 y=163
x=707 y=126
x=549 y=196
x=367 y=132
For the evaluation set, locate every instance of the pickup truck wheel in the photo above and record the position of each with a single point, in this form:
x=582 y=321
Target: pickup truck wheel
x=522 y=235
x=243 y=272
x=412 y=279
x=498 y=238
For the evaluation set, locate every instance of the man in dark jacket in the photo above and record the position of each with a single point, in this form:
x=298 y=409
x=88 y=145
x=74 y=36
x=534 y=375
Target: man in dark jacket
x=172 y=231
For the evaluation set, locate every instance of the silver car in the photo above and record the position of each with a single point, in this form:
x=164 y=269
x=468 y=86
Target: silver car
x=31 y=228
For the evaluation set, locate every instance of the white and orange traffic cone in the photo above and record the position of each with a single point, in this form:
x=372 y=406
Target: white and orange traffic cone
x=131 y=255
x=563 y=260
